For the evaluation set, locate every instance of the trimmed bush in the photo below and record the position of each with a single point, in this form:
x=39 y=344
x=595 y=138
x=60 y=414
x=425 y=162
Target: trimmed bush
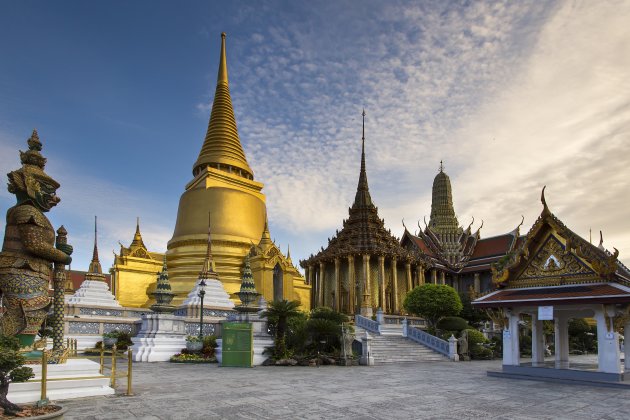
x=477 y=345
x=432 y=302
x=452 y=323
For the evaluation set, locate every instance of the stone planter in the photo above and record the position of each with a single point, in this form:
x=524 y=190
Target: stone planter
x=109 y=341
x=59 y=414
x=194 y=345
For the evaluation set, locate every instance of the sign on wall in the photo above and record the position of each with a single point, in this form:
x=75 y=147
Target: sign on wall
x=545 y=313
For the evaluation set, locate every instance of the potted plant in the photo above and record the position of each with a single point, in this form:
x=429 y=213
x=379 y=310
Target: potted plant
x=11 y=370
x=194 y=343
x=110 y=338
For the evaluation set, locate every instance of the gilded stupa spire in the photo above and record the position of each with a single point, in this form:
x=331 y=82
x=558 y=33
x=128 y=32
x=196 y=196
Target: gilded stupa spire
x=222 y=147
x=137 y=237
x=208 y=272
x=363 y=198
x=95 y=264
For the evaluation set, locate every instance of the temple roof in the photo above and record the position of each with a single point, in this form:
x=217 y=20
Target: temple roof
x=551 y=255
x=137 y=249
x=222 y=146
x=604 y=293
x=364 y=231
x=443 y=219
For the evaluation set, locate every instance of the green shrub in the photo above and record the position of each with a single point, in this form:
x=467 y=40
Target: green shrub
x=452 y=323
x=433 y=301
x=11 y=370
x=478 y=345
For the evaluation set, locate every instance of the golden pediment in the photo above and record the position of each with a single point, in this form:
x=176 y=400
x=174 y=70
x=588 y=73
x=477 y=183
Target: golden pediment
x=552 y=265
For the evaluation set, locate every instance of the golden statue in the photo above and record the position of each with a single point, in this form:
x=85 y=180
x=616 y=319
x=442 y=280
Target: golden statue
x=29 y=251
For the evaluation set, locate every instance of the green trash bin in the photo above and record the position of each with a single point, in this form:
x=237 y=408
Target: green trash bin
x=237 y=344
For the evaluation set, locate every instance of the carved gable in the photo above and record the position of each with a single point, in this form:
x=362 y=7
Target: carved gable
x=553 y=265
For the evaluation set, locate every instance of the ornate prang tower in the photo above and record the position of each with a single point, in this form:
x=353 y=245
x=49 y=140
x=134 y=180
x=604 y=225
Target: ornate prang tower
x=223 y=185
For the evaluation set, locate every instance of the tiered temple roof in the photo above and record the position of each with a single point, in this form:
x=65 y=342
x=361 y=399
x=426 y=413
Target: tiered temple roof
x=364 y=231
x=448 y=246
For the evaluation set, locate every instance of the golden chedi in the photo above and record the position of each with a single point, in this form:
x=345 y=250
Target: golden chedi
x=223 y=185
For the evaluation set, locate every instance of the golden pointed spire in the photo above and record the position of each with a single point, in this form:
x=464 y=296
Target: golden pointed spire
x=222 y=77
x=137 y=237
x=222 y=147
x=208 y=264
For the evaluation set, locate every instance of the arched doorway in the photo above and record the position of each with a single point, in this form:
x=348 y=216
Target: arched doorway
x=278 y=292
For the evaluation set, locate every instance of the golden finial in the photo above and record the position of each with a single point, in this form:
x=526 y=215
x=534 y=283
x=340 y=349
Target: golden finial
x=223 y=73
x=441 y=166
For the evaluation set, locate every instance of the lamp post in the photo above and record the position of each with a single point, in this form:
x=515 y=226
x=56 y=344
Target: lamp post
x=201 y=294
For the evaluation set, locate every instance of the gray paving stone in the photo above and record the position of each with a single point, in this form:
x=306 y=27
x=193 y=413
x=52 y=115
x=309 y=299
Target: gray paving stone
x=437 y=390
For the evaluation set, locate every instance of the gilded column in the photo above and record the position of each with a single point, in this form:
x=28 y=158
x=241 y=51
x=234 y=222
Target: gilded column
x=352 y=284
x=366 y=306
x=477 y=284
x=395 y=286
x=433 y=276
x=320 y=290
x=381 y=282
x=409 y=284
x=422 y=278
x=442 y=277
x=337 y=297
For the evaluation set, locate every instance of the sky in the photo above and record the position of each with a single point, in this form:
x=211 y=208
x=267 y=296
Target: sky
x=511 y=96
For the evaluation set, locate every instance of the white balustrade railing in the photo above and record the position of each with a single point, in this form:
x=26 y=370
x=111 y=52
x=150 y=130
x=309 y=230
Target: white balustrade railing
x=367 y=324
x=434 y=343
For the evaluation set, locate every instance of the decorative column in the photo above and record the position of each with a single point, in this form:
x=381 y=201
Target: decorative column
x=337 y=297
x=477 y=283
x=433 y=276
x=408 y=269
x=456 y=282
x=442 y=277
x=511 y=351
x=608 y=354
x=395 y=309
x=626 y=345
x=381 y=283
x=422 y=278
x=320 y=290
x=538 y=342
x=366 y=306
x=351 y=282
x=561 y=337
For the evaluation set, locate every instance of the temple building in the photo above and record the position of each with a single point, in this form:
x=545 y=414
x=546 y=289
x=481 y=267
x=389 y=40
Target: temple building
x=457 y=256
x=223 y=185
x=557 y=275
x=133 y=275
x=364 y=267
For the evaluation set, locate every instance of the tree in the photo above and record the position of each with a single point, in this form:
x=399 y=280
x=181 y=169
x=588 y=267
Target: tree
x=278 y=313
x=11 y=370
x=324 y=325
x=432 y=302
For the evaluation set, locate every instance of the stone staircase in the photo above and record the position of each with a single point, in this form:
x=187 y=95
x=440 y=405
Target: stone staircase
x=392 y=347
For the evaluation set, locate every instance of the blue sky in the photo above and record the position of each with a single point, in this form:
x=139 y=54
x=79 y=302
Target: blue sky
x=511 y=95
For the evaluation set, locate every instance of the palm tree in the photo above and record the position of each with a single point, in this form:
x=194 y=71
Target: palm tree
x=279 y=312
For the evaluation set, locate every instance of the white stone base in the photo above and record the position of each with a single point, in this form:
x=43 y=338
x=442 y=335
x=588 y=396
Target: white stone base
x=94 y=293
x=260 y=345
x=160 y=337
x=27 y=392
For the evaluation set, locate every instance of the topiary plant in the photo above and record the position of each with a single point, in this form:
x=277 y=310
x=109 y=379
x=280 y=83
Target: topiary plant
x=11 y=370
x=477 y=345
x=452 y=323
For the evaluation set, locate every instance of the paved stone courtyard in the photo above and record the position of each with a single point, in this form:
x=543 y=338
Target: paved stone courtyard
x=440 y=390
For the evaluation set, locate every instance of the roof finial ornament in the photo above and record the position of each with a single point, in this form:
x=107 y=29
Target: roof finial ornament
x=601 y=240
x=441 y=166
x=222 y=77
x=544 y=202
x=425 y=221
x=471 y=223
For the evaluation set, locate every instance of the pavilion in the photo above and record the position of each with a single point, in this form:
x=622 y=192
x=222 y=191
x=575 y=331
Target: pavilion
x=557 y=275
